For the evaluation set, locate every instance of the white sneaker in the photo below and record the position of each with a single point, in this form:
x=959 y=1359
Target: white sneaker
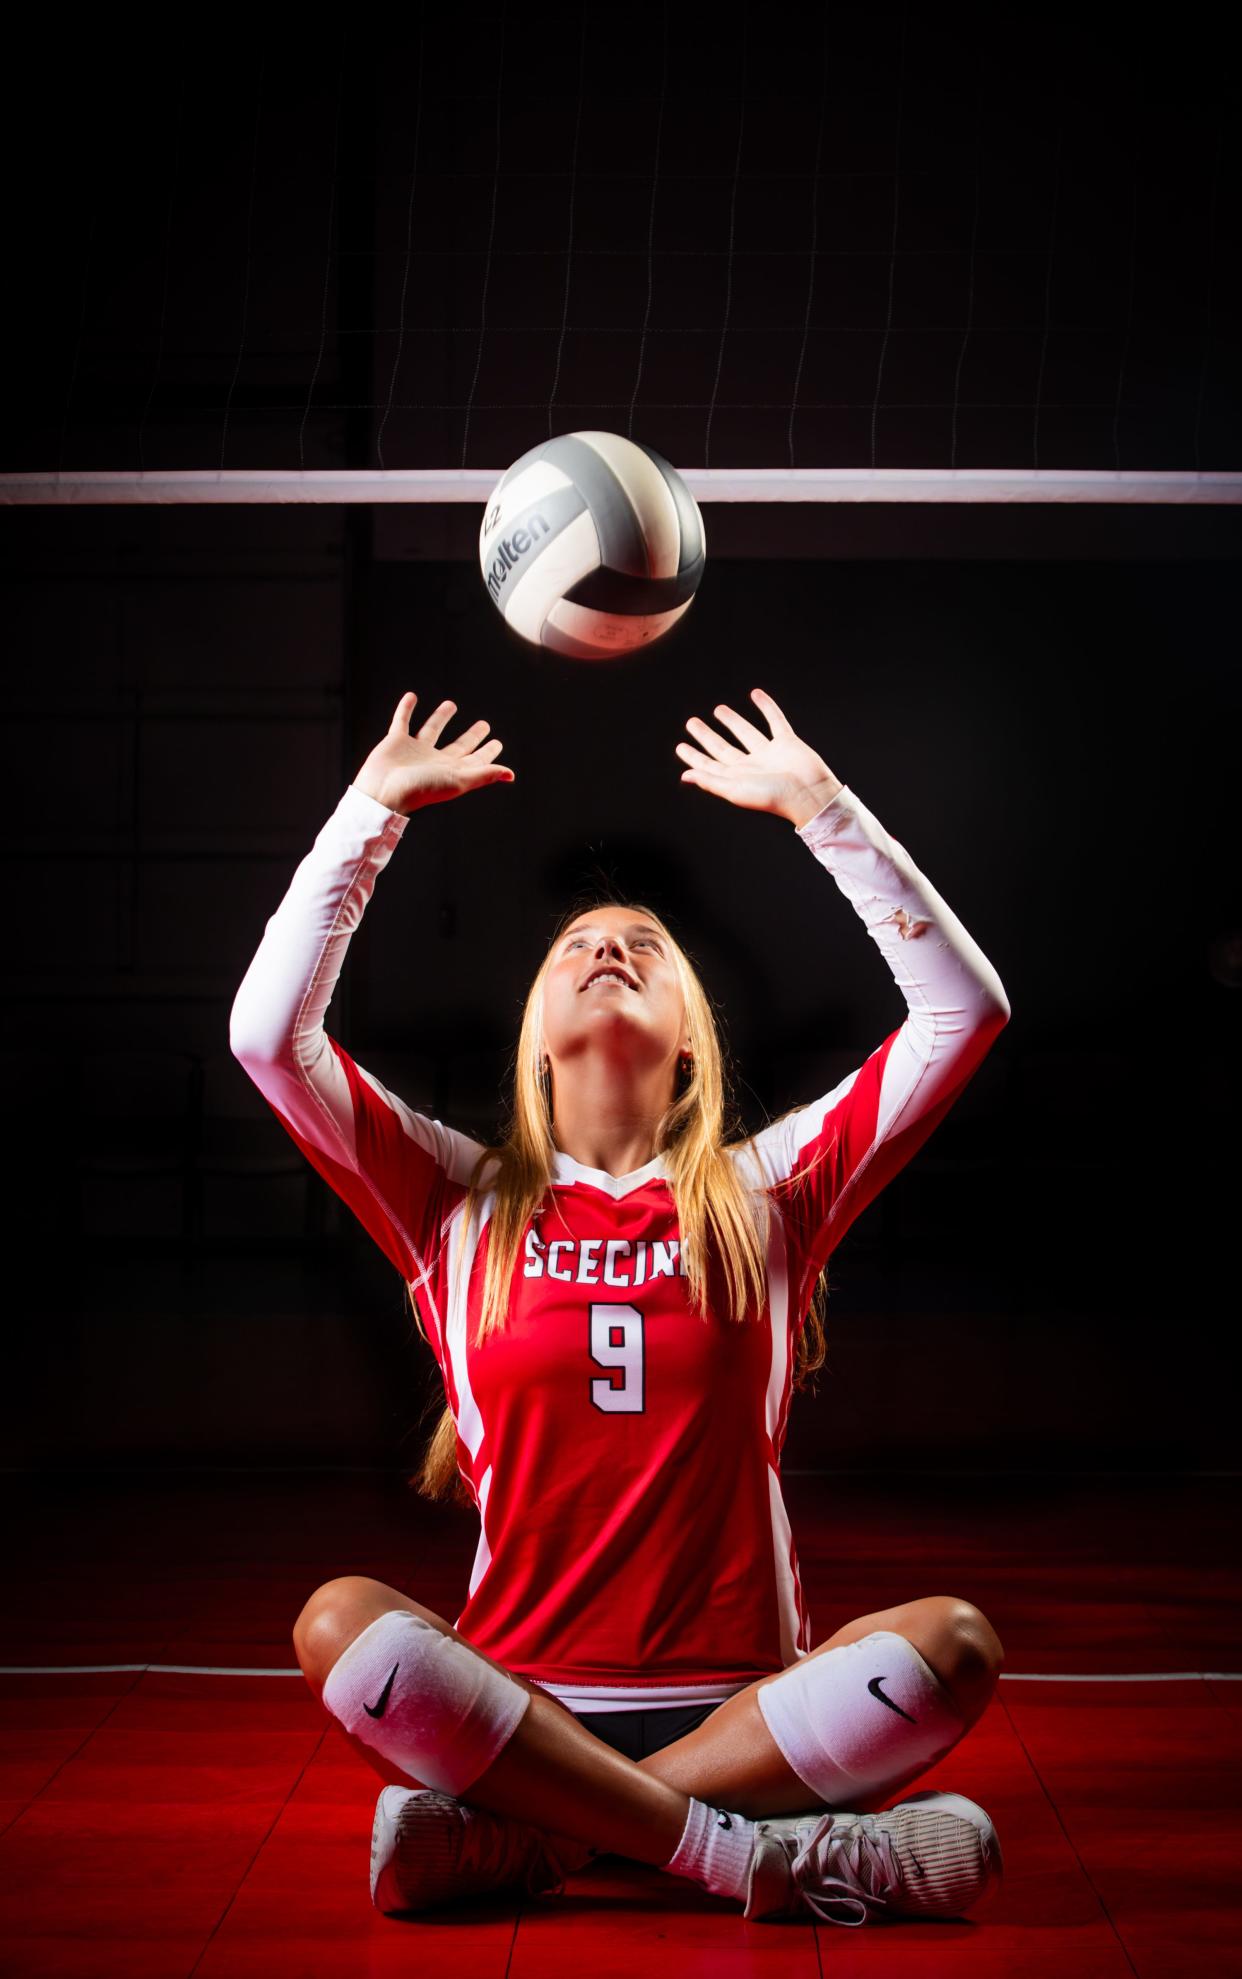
x=933 y=1855
x=429 y=1848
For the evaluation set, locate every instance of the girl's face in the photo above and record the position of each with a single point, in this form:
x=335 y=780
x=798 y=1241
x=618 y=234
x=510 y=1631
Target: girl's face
x=612 y=983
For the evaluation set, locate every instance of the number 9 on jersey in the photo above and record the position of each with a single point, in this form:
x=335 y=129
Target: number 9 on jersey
x=617 y=1343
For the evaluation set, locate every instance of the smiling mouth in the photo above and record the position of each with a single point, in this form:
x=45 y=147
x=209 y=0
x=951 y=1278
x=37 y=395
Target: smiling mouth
x=608 y=976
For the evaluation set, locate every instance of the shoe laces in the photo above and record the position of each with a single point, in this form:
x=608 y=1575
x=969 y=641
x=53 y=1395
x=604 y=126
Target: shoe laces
x=850 y=1860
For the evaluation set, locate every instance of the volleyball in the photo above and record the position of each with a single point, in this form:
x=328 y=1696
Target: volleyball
x=591 y=545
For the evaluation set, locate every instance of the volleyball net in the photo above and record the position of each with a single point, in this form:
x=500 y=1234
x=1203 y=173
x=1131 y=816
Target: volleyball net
x=894 y=258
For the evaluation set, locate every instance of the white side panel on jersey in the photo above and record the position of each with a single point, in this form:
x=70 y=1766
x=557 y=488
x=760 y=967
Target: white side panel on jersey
x=778 y=1381
x=562 y=562
x=778 y=1310
x=649 y=495
x=786 y=1595
x=469 y=1421
x=483 y=1552
x=590 y=635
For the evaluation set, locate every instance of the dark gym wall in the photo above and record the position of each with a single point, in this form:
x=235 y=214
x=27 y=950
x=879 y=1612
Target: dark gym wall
x=190 y=691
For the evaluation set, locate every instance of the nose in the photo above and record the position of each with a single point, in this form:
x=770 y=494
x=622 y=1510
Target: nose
x=609 y=945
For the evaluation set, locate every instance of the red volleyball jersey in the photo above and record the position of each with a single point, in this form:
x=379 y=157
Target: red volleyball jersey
x=622 y=1451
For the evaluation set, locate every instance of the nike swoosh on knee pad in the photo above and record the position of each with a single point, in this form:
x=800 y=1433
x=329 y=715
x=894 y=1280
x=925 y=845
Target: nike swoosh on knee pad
x=874 y=1688
x=378 y=1710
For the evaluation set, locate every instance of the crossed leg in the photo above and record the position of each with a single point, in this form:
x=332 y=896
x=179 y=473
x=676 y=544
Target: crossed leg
x=555 y=1774
x=731 y=1759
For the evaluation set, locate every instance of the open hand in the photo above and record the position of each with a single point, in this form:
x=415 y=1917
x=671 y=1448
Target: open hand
x=406 y=771
x=777 y=772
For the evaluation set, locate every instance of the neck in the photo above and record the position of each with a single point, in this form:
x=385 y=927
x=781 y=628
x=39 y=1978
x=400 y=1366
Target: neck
x=605 y=1115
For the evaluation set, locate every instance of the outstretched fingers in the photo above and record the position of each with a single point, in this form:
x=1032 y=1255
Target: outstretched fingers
x=771 y=712
x=700 y=770
x=436 y=721
x=745 y=731
x=400 y=723
x=694 y=757
x=466 y=741
x=484 y=760
x=714 y=745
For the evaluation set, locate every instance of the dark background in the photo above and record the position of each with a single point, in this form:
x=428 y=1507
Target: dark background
x=844 y=237
x=880 y=240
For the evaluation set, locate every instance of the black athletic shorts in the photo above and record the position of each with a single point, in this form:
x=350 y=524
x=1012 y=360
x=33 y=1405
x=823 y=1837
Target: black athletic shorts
x=636 y=1733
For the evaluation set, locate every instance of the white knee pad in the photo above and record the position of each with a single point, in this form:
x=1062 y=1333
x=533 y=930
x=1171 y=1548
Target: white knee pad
x=427 y=1703
x=856 y=1718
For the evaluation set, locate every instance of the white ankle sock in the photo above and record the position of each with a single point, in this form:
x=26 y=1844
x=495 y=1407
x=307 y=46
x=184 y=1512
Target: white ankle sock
x=714 y=1849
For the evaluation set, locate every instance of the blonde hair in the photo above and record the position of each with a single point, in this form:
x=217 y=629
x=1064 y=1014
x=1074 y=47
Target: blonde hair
x=719 y=1218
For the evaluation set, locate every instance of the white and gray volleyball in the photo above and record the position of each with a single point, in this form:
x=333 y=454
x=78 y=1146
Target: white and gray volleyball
x=592 y=545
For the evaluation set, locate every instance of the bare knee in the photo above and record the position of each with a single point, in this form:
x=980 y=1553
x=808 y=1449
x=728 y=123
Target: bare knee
x=980 y=1643
x=336 y=1613
x=969 y=1656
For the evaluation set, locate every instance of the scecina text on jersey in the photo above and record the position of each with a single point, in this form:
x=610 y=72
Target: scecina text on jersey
x=578 y=1262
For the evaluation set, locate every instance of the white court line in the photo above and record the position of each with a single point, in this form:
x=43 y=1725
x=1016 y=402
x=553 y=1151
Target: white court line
x=107 y=1669
x=1123 y=1677
x=209 y=1670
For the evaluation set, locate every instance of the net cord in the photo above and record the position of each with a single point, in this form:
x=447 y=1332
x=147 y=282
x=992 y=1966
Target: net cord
x=714 y=484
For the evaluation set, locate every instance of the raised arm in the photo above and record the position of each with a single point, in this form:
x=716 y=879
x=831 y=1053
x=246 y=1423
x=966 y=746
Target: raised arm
x=825 y=1162
x=400 y=1172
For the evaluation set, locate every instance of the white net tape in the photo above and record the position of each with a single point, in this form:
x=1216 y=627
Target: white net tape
x=769 y=484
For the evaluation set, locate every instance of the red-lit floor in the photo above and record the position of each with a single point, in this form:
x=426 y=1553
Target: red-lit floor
x=168 y=1824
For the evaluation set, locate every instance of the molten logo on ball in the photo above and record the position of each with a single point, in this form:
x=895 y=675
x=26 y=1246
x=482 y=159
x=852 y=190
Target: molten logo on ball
x=512 y=549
